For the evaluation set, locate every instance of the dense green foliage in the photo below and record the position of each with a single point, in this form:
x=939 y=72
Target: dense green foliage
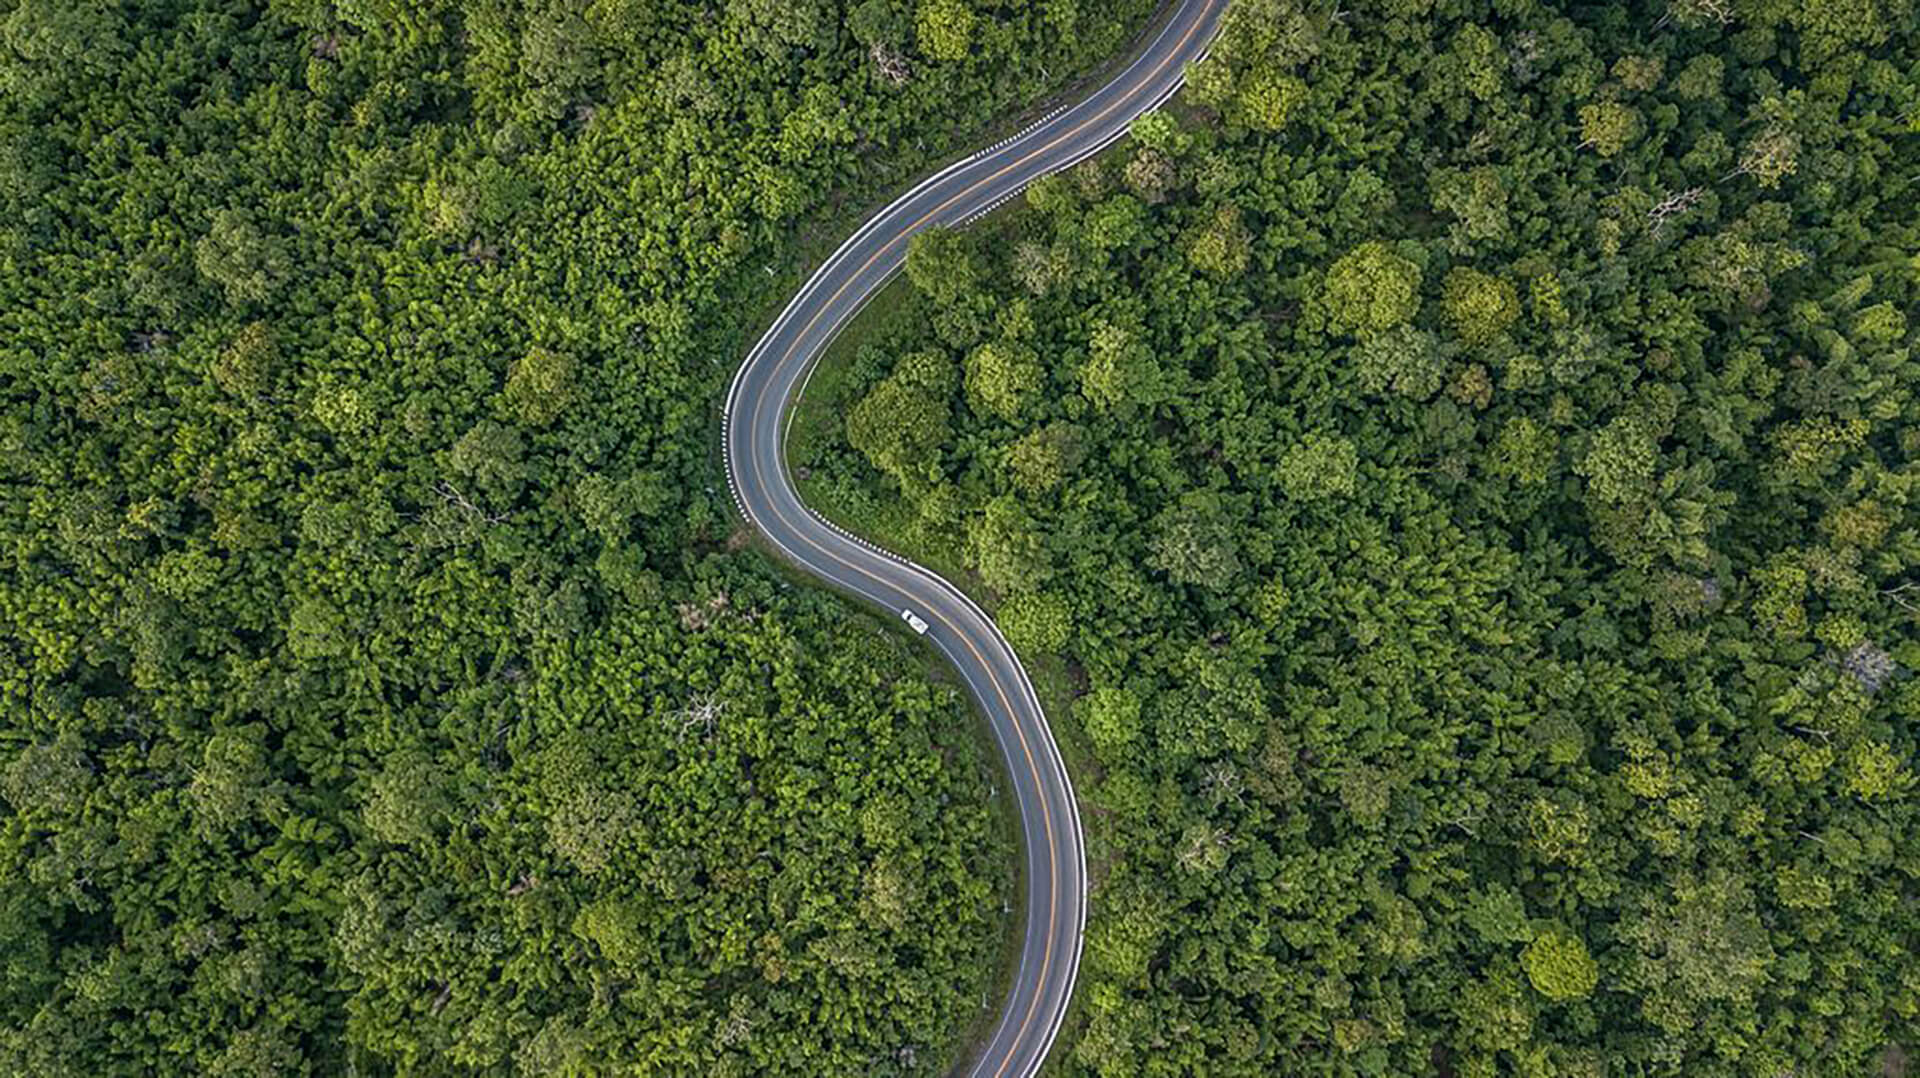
x=1472 y=465
x=383 y=687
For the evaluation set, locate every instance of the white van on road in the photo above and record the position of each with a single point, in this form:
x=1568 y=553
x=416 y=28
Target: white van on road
x=914 y=620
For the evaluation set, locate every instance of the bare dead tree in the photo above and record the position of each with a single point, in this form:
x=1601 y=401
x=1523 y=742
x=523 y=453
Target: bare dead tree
x=452 y=496
x=1697 y=13
x=1523 y=53
x=738 y=1026
x=891 y=66
x=700 y=716
x=695 y=617
x=1222 y=784
x=1671 y=207
x=1868 y=664
x=482 y=253
x=1201 y=846
x=1467 y=819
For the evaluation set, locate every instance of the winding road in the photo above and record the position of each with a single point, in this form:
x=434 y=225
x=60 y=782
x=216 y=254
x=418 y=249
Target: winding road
x=754 y=427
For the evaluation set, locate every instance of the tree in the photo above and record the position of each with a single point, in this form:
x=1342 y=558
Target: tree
x=1120 y=372
x=1001 y=377
x=588 y=826
x=1405 y=360
x=1364 y=795
x=1768 y=156
x=945 y=29
x=1831 y=28
x=1639 y=73
x=1319 y=466
x=1493 y=1012
x=1477 y=199
x=1696 y=13
x=47 y=41
x=1558 y=965
x=406 y=804
x=245 y=366
x=1043 y=458
x=1526 y=453
x=1006 y=547
x=1620 y=462
x=1111 y=717
x=1041 y=269
x=317 y=630
x=540 y=385
x=902 y=424
x=1193 y=542
x=559 y=1047
x=493 y=456
x=1160 y=132
x=1371 y=290
x=613 y=927
x=1607 y=126
x=1151 y=175
x=261 y=1050
x=1703 y=942
x=51 y=778
x=940 y=264
x=559 y=53
x=1115 y=222
x=1874 y=771
x=606 y=506
x=772 y=27
x=1268 y=99
x=1036 y=623
x=233 y=784
x=237 y=255
x=1480 y=307
x=1220 y=248
x=1498 y=915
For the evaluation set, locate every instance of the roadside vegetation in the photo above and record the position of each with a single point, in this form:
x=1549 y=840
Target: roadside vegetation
x=1470 y=465
x=384 y=688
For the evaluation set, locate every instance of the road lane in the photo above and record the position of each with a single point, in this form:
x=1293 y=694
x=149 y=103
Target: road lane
x=754 y=433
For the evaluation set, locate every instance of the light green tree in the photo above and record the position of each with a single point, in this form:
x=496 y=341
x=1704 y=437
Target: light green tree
x=1001 y=378
x=1480 y=307
x=1608 y=126
x=1558 y=965
x=1319 y=466
x=1111 y=717
x=944 y=29
x=1036 y=623
x=1371 y=290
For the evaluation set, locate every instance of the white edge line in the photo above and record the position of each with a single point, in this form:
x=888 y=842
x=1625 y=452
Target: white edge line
x=941 y=584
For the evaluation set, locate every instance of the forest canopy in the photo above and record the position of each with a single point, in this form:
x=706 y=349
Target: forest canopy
x=1464 y=460
x=386 y=685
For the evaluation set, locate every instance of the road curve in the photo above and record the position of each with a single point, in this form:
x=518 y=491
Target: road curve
x=754 y=426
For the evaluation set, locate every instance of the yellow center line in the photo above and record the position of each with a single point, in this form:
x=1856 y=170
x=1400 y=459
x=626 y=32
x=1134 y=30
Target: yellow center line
x=1046 y=960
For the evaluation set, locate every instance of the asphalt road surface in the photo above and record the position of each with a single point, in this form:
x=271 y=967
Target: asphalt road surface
x=755 y=422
